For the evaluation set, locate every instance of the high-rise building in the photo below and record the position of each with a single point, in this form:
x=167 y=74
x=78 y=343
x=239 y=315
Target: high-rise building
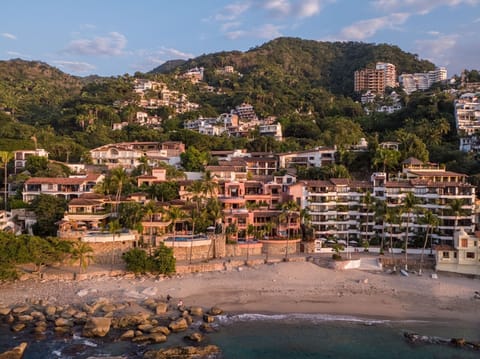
x=375 y=80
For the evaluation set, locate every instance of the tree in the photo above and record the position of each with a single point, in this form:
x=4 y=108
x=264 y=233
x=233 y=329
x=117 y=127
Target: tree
x=386 y=158
x=175 y=215
x=118 y=177
x=164 y=260
x=431 y=221
x=48 y=210
x=456 y=208
x=114 y=228
x=5 y=158
x=194 y=160
x=409 y=205
x=380 y=211
x=288 y=209
x=82 y=253
x=392 y=217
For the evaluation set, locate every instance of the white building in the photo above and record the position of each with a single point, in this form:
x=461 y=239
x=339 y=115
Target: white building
x=21 y=157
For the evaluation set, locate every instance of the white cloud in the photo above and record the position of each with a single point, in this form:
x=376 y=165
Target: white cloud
x=295 y=8
x=111 y=45
x=153 y=58
x=8 y=36
x=477 y=20
x=364 y=29
x=267 y=31
x=232 y=11
x=74 y=66
x=433 y=33
x=437 y=49
x=419 y=6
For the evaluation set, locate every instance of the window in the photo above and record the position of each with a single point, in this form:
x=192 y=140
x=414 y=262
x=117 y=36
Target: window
x=470 y=255
x=464 y=242
x=446 y=254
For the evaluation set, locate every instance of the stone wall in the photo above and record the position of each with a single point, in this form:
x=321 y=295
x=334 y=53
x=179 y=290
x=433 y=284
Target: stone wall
x=278 y=248
x=241 y=250
x=105 y=253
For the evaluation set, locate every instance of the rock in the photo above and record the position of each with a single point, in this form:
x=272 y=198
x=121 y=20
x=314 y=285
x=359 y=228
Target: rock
x=208 y=318
x=5 y=311
x=62 y=322
x=206 y=328
x=21 y=309
x=50 y=310
x=196 y=311
x=63 y=330
x=96 y=327
x=183 y=352
x=161 y=308
x=458 y=342
x=25 y=318
x=109 y=308
x=68 y=313
x=195 y=337
x=188 y=318
x=38 y=315
x=130 y=320
x=18 y=327
x=129 y=334
x=15 y=353
x=157 y=337
x=83 y=292
x=145 y=327
x=80 y=315
x=161 y=329
x=100 y=302
x=215 y=311
x=178 y=325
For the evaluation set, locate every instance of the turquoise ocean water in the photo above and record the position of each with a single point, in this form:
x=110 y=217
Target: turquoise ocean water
x=277 y=336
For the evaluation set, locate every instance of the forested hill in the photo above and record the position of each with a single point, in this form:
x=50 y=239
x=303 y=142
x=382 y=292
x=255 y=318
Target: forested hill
x=314 y=63
x=28 y=87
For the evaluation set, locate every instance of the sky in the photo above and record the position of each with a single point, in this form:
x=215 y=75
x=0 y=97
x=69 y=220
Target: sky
x=115 y=37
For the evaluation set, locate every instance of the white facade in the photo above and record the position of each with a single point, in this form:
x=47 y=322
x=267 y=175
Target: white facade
x=20 y=157
x=316 y=157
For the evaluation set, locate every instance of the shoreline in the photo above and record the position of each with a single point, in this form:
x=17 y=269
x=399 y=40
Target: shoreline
x=281 y=288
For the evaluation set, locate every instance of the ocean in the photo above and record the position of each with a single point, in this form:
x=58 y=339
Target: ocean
x=277 y=336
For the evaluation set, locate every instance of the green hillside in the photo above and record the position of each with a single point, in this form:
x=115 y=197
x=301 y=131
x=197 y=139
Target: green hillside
x=313 y=64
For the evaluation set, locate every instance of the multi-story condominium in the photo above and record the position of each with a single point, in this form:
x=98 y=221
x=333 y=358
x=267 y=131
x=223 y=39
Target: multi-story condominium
x=422 y=81
x=273 y=130
x=467 y=118
x=261 y=163
x=68 y=188
x=316 y=157
x=345 y=209
x=194 y=75
x=245 y=112
x=128 y=154
x=337 y=208
x=375 y=80
x=21 y=157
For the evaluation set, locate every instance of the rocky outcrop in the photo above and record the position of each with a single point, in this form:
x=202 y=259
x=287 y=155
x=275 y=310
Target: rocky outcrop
x=96 y=327
x=178 y=325
x=456 y=342
x=209 y=351
x=15 y=353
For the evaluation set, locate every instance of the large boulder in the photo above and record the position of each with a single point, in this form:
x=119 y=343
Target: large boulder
x=178 y=325
x=15 y=353
x=215 y=311
x=130 y=320
x=161 y=308
x=5 y=311
x=183 y=352
x=97 y=327
x=196 y=311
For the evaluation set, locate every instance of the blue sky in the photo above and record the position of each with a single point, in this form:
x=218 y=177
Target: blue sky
x=114 y=37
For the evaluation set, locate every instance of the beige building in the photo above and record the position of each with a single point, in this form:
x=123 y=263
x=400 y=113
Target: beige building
x=377 y=79
x=463 y=257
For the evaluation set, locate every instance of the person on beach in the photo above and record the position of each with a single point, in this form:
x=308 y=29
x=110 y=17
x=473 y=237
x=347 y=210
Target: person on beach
x=180 y=303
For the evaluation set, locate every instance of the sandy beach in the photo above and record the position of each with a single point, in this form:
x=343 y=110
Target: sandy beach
x=286 y=287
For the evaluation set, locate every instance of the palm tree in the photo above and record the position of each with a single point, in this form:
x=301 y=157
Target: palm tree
x=175 y=215
x=215 y=214
x=114 y=228
x=409 y=205
x=367 y=200
x=432 y=221
x=288 y=209
x=82 y=252
x=392 y=216
x=380 y=211
x=305 y=219
x=118 y=177
x=209 y=185
x=250 y=232
x=150 y=210
x=456 y=207
x=5 y=157
x=197 y=190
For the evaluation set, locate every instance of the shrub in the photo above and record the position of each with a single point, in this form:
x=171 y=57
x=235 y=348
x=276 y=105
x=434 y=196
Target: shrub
x=162 y=261
x=137 y=260
x=336 y=256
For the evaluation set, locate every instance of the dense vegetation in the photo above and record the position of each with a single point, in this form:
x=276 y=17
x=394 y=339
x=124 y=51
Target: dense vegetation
x=307 y=85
